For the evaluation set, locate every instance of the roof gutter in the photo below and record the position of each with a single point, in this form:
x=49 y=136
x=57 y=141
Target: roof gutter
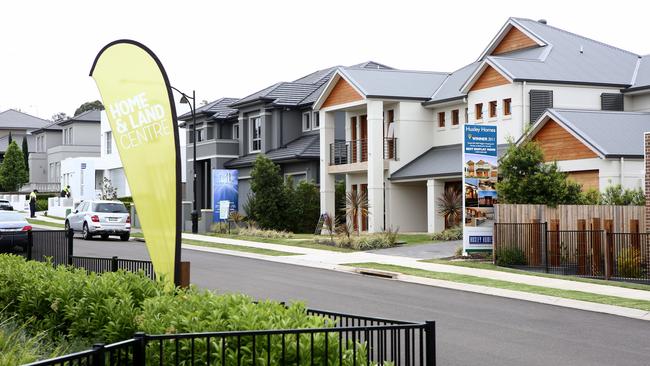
x=441 y=101
x=566 y=82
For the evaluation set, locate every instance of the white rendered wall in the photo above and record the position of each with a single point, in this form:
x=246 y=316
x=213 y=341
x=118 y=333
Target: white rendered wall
x=609 y=171
x=413 y=130
x=408 y=206
x=450 y=134
x=638 y=102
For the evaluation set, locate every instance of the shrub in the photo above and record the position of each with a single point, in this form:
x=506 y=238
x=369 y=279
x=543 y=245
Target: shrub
x=510 y=257
x=18 y=346
x=67 y=302
x=384 y=239
x=628 y=263
x=261 y=233
x=453 y=233
x=269 y=207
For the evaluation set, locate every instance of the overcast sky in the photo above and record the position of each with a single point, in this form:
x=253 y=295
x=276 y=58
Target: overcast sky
x=234 y=48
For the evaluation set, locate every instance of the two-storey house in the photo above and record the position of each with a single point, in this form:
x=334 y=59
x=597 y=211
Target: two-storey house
x=582 y=100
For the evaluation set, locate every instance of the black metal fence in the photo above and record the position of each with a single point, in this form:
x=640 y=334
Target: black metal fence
x=57 y=246
x=584 y=253
x=395 y=342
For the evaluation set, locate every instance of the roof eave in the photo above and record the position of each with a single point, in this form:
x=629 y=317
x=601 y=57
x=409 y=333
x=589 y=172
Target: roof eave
x=569 y=82
x=440 y=101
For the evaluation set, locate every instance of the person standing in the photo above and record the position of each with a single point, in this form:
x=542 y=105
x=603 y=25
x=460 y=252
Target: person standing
x=67 y=191
x=32 y=204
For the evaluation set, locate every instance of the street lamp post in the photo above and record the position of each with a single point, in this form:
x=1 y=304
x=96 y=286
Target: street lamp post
x=185 y=100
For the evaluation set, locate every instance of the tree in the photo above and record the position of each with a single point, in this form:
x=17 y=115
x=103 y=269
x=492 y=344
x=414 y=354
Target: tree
x=12 y=170
x=616 y=195
x=526 y=178
x=10 y=139
x=89 y=106
x=268 y=207
x=61 y=116
x=108 y=191
x=307 y=206
x=25 y=149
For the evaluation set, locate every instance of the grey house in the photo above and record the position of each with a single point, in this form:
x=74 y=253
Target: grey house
x=20 y=125
x=277 y=121
x=79 y=136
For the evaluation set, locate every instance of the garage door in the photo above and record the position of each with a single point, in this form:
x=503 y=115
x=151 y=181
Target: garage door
x=587 y=178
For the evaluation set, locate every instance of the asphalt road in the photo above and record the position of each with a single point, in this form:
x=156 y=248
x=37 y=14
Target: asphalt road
x=472 y=329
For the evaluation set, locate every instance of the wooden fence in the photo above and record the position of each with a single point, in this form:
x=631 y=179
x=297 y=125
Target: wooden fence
x=624 y=219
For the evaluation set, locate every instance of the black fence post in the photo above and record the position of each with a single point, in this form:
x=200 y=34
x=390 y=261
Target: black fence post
x=114 y=267
x=30 y=243
x=70 y=246
x=139 y=348
x=545 y=235
x=430 y=332
x=98 y=354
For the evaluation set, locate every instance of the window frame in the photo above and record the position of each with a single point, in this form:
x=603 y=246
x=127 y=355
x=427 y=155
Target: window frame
x=306 y=127
x=251 y=140
x=235 y=131
x=493 y=109
x=455 y=117
x=109 y=142
x=315 y=125
x=442 y=119
x=478 y=111
x=507 y=106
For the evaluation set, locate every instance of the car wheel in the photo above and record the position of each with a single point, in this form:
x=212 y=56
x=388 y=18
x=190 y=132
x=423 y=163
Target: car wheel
x=125 y=237
x=104 y=236
x=86 y=233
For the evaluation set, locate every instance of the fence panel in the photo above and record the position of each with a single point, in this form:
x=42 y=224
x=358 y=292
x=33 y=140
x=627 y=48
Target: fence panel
x=524 y=243
x=629 y=257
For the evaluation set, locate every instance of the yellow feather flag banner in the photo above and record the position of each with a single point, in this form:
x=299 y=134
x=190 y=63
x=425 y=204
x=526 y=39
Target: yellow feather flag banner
x=137 y=97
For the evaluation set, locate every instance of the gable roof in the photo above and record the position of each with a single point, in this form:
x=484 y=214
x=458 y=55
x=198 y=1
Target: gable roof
x=401 y=84
x=564 y=57
x=93 y=116
x=450 y=88
x=305 y=147
x=594 y=129
x=13 y=119
x=302 y=91
x=438 y=161
x=218 y=109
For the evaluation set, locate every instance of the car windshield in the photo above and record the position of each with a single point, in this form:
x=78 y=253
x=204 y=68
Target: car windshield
x=110 y=207
x=6 y=216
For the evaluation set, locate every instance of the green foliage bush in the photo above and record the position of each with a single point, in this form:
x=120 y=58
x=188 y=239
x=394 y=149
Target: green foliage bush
x=628 y=263
x=384 y=239
x=510 y=257
x=13 y=172
x=18 y=346
x=70 y=304
x=453 y=233
x=261 y=233
x=616 y=195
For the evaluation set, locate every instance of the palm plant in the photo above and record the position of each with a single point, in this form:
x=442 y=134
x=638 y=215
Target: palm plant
x=356 y=203
x=329 y=224
x=450 y=206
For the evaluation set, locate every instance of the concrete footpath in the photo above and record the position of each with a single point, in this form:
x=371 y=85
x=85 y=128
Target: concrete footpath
x=325 y=259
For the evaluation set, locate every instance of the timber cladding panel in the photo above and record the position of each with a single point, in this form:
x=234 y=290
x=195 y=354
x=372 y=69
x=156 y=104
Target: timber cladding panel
x=568 y=215
x=489 y=78
x=342 y=93
x=513 y=40
x=646 y=139
x=588 y=179
x=558 y=144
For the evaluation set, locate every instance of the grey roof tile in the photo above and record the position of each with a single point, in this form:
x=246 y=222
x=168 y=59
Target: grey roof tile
x=219 y=109
x=395 y=83
x=305 y=147
x=13 y=119
x=436 y=162
x=450 y=87
x=561 y=60
x=595 y=127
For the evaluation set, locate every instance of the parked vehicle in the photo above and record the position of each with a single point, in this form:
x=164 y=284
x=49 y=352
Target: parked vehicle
x=102 y=218
x=6 y=206
x=14 y=230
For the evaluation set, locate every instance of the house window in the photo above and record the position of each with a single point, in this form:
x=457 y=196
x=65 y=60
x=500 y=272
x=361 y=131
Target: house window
x=190 y=134
x=493 y=109
x=200 y=135
x=455 y=117
x=109 y=142
x=441 y=119
x=306 y=121
x=507 y=110
x=316 y=120
x=256 y=134
x=466 y=114
x=478 y=111
x=235 y=131
x=67 y=136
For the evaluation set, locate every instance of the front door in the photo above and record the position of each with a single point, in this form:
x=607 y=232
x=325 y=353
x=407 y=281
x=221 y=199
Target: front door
x=364 y=214
x=353 y=138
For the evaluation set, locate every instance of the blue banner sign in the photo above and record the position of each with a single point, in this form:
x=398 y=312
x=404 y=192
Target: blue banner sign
x=480 y=174
x=225 y=185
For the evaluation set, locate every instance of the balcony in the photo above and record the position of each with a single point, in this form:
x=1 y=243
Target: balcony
x=356 y=151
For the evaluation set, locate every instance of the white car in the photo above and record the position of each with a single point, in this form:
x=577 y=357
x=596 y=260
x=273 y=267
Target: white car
x=102 y=218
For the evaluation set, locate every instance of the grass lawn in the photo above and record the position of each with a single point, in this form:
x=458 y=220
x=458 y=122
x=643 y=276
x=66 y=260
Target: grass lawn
x=298 y=240
x=414 y=239
x=45 y=223
x=55 y=217
x=473 y=280
x=492 y=267
x=239 y=248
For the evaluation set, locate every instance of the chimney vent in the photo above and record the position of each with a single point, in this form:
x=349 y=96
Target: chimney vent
x=543 y=21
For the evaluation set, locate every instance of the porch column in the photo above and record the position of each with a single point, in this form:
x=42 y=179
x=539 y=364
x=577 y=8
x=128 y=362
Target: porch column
x=435 y=222
x=375 y=165
x=327 y=126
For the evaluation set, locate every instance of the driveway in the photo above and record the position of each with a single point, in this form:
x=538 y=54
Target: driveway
x=441 y=249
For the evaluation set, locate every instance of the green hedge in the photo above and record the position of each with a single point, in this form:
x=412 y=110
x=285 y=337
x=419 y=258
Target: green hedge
x=83 y=308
